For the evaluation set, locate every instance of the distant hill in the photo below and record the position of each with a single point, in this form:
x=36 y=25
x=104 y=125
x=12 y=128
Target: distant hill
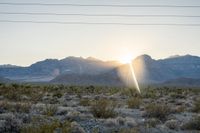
x=172 y=68
x=8 y=66
x=50 y=68
x=106 y=79
x=78 y=70
x=4 y=80
x=184 y=82
x=147 y=71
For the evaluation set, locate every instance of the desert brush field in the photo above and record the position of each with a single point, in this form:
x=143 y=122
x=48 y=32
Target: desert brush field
x=26 y=108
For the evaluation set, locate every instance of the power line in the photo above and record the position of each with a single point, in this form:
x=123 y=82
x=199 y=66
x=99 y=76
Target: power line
x=97 y=23
x=97 y=5
x=95 y=15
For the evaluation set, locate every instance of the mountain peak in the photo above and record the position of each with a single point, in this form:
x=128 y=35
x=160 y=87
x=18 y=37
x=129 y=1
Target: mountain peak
x=92 y=59
x=181 y=56
x=8 y=66
x=144 y=57
x=72 y=58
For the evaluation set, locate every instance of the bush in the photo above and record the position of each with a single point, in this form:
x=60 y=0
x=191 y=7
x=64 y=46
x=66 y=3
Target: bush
x=103 y=108
x=194 y=124
x=134 y=103
x=15 y=107
x=58 y=94
x=132 y=130
x=48 y=128
x=157 y=111
x=50 y=110
x=85 y=102
x=197 y=106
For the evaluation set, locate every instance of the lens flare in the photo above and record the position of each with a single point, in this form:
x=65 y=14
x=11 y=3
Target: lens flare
x=126 y=59
x=134 y=77
x=128 y=73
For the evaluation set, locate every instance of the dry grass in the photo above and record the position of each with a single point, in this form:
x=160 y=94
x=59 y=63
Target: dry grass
x=194 y=124
x=132 y=130
x=64 y=127
x=157 y=111
x=197 y=106
x=18 y=107
x=134 y=102
x=103 y=108
x=85 y=102
x=50 y=110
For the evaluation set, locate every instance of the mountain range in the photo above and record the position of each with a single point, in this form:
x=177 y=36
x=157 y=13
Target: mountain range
x=91 y=71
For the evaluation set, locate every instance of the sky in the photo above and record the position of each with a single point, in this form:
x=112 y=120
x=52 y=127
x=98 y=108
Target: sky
x=26 y=43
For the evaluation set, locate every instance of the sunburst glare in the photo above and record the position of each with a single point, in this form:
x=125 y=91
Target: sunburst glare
x=126 y=59
x=128 y=73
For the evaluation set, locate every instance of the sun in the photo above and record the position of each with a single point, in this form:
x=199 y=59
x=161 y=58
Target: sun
x=126 y=59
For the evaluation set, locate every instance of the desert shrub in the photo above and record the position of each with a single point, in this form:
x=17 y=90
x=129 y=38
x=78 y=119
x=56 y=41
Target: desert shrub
x=131 y=130
x=15 y=92
x=172 y=124
x=90 y=89
x=103 y=108
x=152 y=122
x=15 y=85
x=11 y=93
x=157 y=111
x=150 y=93
x=36 y=97
x=64 y=127
x=131 y=92
x=177 y=95
x=179 y=109
x=58 y=94
x=9 y=123
x=15 y=107
x=23 y=107
x=50 y=110
x=134 y=102
x=85 y=102
x=196 y=107
x=193 y=124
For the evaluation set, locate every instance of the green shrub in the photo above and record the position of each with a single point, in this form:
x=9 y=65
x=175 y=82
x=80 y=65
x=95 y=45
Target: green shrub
x=103 y=108
x=157 y=111
x=134 y=102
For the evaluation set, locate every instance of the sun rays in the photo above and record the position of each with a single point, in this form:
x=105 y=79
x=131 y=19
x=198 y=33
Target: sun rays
x=129 y=75
x=134 y=77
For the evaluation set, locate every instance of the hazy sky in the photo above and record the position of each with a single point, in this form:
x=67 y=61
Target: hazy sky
x=25 y=43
